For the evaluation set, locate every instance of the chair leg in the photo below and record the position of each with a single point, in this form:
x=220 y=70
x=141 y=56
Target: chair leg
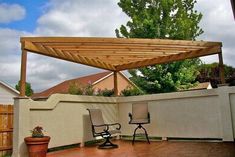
x=146 y=134
x=133 y=140
x=107 y=144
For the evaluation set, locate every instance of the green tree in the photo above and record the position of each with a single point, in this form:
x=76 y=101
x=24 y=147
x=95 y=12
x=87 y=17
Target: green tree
x=165 y=19
x=28 y=89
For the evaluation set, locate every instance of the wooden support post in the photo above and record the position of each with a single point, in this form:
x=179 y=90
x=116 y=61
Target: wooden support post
x=23 y=72
x=221 y=68
x=115 y=83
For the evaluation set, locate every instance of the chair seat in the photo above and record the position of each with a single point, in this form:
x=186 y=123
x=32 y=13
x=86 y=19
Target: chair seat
x=114 y=132
x=139 y=121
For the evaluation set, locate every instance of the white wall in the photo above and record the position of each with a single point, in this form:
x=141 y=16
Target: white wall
x=6 y=95
x=232 y=100
x=189 y=114
x=183 y=116
x=67 y=121
x=64 y=118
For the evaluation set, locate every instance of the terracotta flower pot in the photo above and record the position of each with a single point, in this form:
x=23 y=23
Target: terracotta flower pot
x=37 y=147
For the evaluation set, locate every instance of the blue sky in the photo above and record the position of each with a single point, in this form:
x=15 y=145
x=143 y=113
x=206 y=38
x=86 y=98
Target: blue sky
x=34 y=8
x=90 y=18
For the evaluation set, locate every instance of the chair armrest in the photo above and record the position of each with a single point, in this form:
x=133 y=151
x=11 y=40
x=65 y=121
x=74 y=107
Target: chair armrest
x=130 y=115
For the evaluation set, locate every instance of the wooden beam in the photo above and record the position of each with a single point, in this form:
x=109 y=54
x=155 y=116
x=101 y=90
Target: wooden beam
x=23 y=71
x=221 y=68
x=171 y=58
x=118 y=41
x=115 y=79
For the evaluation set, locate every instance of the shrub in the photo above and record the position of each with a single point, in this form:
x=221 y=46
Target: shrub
x=106 y=92
x=88 y=90
x=131 y=91
x=75 y=89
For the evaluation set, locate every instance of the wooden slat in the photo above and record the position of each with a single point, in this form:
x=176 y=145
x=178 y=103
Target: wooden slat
x=124 y=53
x=50 y=50
x=2 y=148
x=127 y=47
x=6 y=112
x=33 y=48
x=6 y=130
x=177 y=57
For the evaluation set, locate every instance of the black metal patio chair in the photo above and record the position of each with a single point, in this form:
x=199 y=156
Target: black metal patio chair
x=99 y=128
x=139 y=116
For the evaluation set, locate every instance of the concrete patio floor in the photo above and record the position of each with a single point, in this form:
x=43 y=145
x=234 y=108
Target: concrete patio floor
x=155 y=149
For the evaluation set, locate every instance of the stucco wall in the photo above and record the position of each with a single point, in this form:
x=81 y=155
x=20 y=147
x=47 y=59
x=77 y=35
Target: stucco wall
x=232 y=100
x=182 y=116
x=6 y=95
x=70 y=121
x=190 y=114
x=64 y=118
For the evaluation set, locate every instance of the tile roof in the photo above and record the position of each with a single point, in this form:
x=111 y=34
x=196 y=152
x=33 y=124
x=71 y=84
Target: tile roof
x=64 y=86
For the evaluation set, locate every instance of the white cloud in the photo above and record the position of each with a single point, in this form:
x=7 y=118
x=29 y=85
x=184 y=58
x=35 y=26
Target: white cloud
x=10 y=41
x=81 y=18
x=11 y=12
x=10 y=55
x=218 y=25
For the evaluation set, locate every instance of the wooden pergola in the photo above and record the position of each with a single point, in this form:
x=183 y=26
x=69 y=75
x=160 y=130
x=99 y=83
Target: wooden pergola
x=116 y=54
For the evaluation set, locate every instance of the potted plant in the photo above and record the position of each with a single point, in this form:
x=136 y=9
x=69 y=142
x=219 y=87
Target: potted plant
x=37 y=143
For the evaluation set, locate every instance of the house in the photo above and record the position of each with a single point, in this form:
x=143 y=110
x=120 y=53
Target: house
x=99 y=81
x=7 y=93
x=199 y=86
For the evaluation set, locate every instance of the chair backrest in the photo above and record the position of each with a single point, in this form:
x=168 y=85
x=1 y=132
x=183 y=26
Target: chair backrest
x=96 y=119
x=140 y=110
